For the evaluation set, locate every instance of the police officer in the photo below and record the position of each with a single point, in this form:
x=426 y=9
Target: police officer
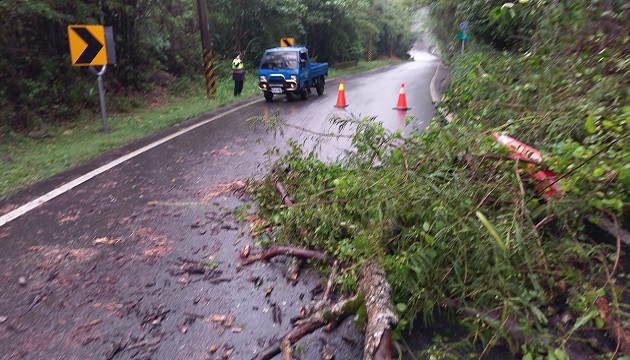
x=238 y=74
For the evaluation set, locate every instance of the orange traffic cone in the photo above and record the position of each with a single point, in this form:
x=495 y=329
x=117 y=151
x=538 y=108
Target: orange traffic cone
x=402 y=99
x=341 y=96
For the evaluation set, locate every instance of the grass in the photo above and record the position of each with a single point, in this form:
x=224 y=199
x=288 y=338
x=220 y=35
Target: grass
x=25 y=161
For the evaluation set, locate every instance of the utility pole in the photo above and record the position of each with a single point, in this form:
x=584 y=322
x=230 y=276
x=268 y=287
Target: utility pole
x=369 y=50
x=206 y=44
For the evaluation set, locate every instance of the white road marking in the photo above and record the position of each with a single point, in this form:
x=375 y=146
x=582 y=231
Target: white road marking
x=12 y=215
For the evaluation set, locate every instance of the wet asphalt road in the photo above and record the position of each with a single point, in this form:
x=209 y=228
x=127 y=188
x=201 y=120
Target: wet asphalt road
x=142 y=260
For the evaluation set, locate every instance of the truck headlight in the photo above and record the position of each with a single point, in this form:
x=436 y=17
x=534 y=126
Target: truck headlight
x=294 y=77
x=263 y=79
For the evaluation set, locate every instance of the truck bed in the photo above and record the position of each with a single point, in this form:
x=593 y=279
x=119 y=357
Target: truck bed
x=318 y=69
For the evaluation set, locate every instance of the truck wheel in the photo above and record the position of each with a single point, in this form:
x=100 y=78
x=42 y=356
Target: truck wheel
x=268 y=96
x=305 y=92
x=320 y=87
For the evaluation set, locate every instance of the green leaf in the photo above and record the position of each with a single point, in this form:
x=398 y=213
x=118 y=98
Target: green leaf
x=579 y=152
x=582 y=320
x=561 y=354
x=590 y=124
x=599 y=323
x=429 y=239
x=491 y=229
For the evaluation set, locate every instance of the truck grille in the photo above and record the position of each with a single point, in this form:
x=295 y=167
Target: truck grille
x=276 y=84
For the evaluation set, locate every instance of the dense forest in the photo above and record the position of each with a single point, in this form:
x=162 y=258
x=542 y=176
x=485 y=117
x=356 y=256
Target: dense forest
x=158 y=41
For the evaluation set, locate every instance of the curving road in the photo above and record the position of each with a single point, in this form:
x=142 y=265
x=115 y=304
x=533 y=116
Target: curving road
x=135 y=255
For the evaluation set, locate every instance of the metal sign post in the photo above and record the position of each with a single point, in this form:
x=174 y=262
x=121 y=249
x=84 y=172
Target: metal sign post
x=93 y=45
x=463 y=35
x=101 y=94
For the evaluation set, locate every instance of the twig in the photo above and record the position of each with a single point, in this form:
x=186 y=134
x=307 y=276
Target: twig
x=330 y=135
x=321 y=202
x=521 y=188
x=618 y=254
x=544 y=221
x=285 y=250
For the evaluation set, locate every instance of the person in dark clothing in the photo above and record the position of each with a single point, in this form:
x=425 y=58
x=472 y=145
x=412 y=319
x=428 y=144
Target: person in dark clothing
x=238 y=74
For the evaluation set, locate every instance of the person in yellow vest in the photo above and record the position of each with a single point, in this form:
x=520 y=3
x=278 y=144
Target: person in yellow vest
x=238 y=74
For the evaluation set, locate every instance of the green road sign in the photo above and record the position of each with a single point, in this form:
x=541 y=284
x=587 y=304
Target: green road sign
x=463 y=36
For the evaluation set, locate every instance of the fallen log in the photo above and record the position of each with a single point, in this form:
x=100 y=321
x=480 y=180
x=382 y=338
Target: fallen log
x=381 y=317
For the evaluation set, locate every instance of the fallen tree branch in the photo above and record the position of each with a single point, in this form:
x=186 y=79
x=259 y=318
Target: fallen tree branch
x=381 y=317
x=285 y=250
x=286 y=199
x=322 y=314
x=294 y=335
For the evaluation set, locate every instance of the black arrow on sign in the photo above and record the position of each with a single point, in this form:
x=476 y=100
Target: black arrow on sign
x=286 y=42
x=93 y=46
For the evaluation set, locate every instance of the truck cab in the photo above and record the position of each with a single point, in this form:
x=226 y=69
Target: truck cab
x=289 y=71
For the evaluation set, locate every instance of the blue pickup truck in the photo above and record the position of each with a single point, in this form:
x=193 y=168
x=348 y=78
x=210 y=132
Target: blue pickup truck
x=289 y=70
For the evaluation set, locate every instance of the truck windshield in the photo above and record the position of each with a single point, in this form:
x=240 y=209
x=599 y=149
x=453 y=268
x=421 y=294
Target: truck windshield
x=279 y=60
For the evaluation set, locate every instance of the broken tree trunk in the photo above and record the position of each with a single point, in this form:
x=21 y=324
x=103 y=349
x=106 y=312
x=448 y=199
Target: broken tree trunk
x=381 y=317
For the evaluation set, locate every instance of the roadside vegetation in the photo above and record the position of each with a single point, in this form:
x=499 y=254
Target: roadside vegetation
x=457 y=224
